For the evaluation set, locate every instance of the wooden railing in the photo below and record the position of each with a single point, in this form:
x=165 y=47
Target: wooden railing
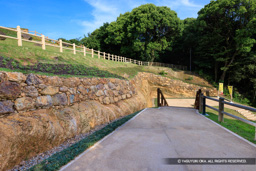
x=161 y=101
x=221 y=112
x=45 y=41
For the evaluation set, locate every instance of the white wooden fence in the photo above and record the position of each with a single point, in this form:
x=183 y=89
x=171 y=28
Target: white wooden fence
x=94 y=53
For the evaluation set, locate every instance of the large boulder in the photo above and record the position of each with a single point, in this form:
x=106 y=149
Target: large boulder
x=2 y=33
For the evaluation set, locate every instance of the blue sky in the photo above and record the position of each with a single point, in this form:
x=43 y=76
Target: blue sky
x=74 y=18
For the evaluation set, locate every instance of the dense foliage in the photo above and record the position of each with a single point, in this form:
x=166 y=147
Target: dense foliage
x=220 y=42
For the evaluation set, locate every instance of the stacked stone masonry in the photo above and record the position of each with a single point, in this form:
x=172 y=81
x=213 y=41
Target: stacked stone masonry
x=19 y=92
x=38 y=112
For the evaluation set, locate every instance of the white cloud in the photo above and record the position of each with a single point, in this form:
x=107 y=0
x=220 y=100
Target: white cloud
x=108 y=10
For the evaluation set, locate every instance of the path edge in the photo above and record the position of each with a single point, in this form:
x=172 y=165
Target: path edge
x=238 y=136
x=97 y=143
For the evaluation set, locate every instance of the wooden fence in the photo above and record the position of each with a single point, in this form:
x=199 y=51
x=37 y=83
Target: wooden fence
x=45 y=41
x=220 y=110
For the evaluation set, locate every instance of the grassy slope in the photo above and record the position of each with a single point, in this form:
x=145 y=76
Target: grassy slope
x=29 y=54
x=244 y=130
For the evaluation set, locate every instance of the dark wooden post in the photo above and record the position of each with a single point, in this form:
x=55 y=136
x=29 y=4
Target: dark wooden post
x=204 y=105
x=221 y=109
x=196 y=106
x=162 y=98
x=158 y=97
x=201 y=103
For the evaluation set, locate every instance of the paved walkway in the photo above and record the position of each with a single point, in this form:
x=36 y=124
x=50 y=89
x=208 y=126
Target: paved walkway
x=168 y=132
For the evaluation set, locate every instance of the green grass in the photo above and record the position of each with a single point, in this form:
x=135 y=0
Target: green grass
x=29 y=54
x=244 y=130
x=62 y=158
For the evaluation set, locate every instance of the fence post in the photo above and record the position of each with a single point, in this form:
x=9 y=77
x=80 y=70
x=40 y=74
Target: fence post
x=92 y=53
x=221 y=109
x=61 y=50
x=204 y=105
x=104 y=55
x=43 y=42
x=84 y=51
x=118 y=58
x=109 y=56
x=98 y=54
x=200 y=103
x=19 y=36
x=130 y=60
x=158 y=97
x=74 y=48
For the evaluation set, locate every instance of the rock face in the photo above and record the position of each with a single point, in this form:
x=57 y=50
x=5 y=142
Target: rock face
x=6 y=107
x=31 y=91
x=60 y=99
x=9 y=90
x=44 y=129
x=50 y=90
x=40 y=112
x=33 y=80
x=16 y=76
x=24 y=103
x=44 y=101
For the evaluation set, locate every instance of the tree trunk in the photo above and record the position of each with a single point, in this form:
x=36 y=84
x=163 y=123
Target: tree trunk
x=222 y=78
x=216 y=72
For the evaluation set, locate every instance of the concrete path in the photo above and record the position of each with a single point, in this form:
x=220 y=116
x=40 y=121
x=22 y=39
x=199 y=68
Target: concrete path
x=168 y=132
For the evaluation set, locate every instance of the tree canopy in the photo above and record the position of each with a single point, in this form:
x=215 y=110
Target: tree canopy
x=221 y=40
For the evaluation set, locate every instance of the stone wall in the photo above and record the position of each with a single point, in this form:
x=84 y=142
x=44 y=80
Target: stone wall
x=38 y=112
x=19 y=93
x=147 y=84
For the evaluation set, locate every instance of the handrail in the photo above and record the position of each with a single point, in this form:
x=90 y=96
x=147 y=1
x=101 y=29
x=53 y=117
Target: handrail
x=202 y=106
x=161 y=101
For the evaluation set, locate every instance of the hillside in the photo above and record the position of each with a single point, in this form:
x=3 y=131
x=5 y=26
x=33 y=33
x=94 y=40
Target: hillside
x=31 y=58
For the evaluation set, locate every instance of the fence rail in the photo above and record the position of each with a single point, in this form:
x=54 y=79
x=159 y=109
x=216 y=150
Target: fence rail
x=221 y=112
x=45 y=41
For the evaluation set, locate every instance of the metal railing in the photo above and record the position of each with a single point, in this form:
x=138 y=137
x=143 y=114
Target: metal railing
x=221 y=112
x=161 y=101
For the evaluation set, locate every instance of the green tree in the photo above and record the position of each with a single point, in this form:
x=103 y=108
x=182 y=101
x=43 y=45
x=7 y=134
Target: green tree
x=227 y=28
x=145 y=31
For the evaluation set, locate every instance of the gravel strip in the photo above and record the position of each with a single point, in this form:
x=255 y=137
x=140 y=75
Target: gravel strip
x=24 y=165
